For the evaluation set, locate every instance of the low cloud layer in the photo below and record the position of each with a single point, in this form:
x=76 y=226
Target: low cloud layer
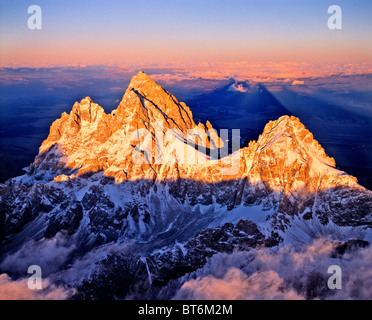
x=76 y=75
x=237 y=285
x=49 y=254
x=18 y=290
x=288 y=273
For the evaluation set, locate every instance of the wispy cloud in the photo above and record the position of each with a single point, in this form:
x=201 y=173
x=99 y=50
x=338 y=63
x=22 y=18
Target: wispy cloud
x=18 y=290
x=49 y=254
x=285 y=72
x=288 y=273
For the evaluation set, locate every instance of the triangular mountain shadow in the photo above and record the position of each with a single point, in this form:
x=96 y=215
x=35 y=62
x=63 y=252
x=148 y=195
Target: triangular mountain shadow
x=248 y=111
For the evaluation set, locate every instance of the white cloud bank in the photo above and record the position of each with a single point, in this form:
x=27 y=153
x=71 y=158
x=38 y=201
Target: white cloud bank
x=289 y=273
x=18 y=290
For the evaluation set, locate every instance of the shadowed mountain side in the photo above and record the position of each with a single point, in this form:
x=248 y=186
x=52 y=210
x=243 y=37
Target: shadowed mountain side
x=97 y=211
x=170 y=227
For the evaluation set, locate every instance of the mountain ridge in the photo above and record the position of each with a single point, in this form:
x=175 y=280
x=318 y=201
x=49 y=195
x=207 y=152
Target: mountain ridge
x=92 y=138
